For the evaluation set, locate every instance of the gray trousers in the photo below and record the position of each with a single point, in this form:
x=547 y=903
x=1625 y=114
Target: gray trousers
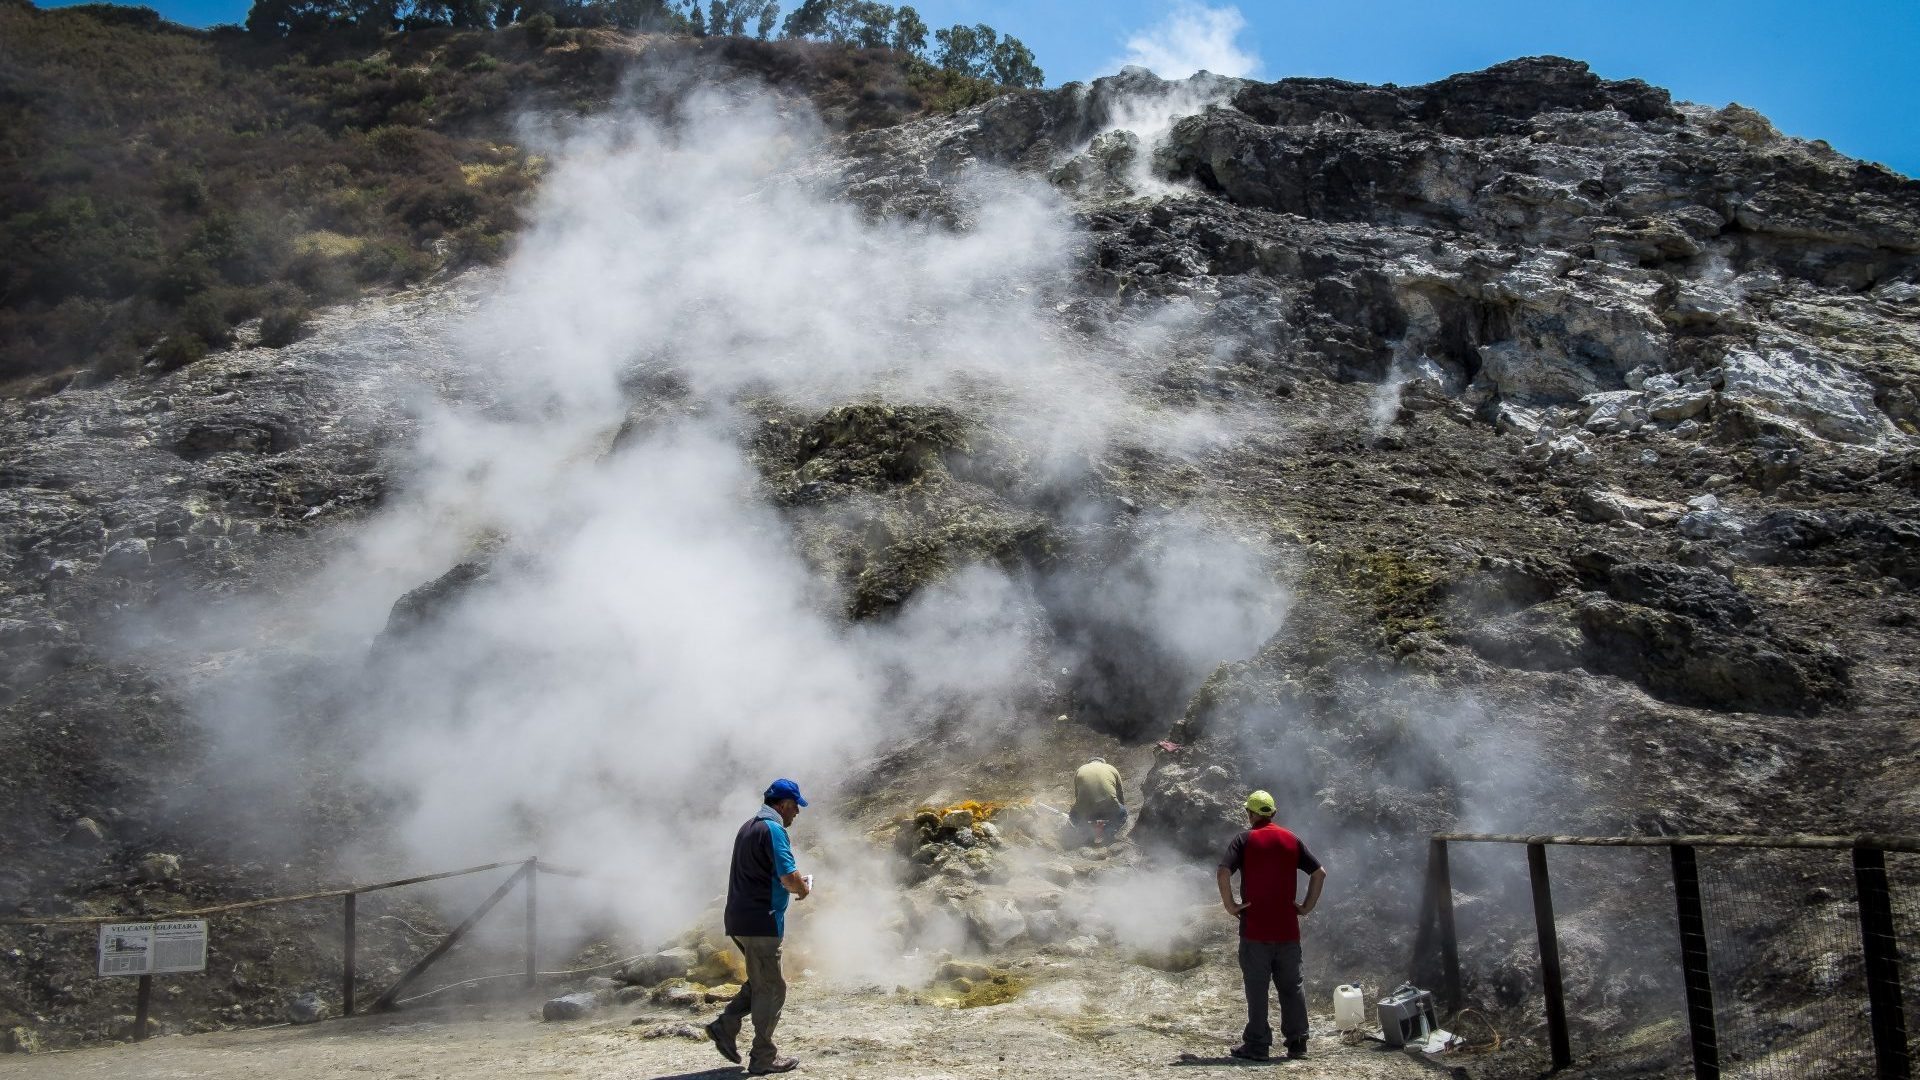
x=763 y=995
x=1276 y=963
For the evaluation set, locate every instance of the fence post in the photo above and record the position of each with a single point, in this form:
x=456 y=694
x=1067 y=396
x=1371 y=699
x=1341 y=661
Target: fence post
x=1695 y=963
x=143 y=999
x=1549 y=956
x=349 y=930
x=533 y=906
x=1437 y=922
x=1883 y=964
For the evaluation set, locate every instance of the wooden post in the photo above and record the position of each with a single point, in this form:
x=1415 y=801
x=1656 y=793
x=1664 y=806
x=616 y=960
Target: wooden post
x=532 y=873
x=1549 y=956
x=142 y=1001
x=1889 y=1020
x=1449 y=938
x=1695 y=964
x=1435 y=940
x=346 y=980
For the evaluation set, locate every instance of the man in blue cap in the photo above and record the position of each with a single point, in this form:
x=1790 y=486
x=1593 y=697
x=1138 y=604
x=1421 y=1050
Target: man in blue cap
x=763 y=878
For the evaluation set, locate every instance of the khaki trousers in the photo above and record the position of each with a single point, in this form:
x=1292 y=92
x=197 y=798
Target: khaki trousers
x=762 y=995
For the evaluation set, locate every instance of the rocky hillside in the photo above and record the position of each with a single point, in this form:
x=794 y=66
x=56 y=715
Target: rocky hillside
x=169 y=191
x=1578 y=423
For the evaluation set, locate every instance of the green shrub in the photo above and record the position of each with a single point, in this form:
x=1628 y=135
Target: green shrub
x=207 y=318
x=176 y=351
x=538 y=29
x=283 y=326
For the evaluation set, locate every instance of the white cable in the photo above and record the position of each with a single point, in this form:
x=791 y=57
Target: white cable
x=518 y=975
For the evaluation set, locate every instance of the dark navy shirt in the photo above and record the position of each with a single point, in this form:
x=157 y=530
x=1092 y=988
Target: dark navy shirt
x=762 y=855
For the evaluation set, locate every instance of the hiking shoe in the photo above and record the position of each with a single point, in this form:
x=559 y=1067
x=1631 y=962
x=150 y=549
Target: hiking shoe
x=1248 y=1053
x=777 y=1065
x=1296 y=1049
x=723 y=1042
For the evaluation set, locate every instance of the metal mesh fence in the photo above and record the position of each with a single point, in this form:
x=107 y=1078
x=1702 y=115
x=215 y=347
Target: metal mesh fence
x=1789 y=982
x=1778 y=977
x=1903 y=880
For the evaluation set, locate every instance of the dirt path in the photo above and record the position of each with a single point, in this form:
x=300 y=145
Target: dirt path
x=1064 y=1028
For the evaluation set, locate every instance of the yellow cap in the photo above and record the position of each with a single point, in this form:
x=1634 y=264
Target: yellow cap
x=1260 y=803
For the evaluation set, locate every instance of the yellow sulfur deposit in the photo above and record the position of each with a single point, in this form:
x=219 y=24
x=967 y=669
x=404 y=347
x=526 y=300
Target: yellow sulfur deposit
x=982 y=811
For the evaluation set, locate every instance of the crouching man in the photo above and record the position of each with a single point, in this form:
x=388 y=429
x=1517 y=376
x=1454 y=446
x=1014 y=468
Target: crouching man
x=1268 y=858
x=764 y=876
x=1099 y=803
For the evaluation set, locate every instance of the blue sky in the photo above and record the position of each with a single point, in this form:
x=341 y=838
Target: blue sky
x=1847 y=71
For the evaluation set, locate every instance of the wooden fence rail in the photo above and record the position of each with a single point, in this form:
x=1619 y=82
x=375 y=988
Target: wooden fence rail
x=526 y=872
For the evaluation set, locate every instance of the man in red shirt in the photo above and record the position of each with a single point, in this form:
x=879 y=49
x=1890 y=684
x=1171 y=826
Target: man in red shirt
x=1267 y=858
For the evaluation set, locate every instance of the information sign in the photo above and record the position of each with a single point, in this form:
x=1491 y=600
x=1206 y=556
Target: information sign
x=153 y=948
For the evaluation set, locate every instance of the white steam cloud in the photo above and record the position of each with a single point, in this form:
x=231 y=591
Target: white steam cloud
x=1193 y=37
x=645 y=644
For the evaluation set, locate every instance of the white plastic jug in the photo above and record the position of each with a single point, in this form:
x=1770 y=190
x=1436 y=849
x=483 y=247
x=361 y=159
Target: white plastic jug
x=1349 y=1007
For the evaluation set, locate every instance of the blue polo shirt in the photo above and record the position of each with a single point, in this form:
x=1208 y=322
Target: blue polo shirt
x=762 y=855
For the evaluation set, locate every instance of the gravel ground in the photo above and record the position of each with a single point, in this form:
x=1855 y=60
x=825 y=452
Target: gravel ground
x=1071 y=1026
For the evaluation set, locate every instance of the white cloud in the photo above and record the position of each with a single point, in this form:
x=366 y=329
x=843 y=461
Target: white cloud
x=1193 y=37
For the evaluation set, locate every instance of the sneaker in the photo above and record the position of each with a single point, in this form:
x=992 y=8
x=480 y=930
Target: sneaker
x=777 y=1065
x=723 y=1042
x=1296 y=1049
x=1248 y=1053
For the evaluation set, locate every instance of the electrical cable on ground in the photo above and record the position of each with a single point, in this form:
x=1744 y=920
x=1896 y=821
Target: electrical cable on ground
x=518 y=975
x=412 y=928
x=1476 y=1014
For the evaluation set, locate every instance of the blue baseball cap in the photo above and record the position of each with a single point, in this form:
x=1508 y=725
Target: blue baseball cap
x=785 y=789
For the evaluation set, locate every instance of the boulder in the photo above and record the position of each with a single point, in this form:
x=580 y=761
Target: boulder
x=1679 y=405
x=1709 y=525
x=661 y=966
x=1684 y=660
x=570 y=1006
x=19 y=1040
x=159 y=867
x=1045 y=927
x=1803 y=391
x=1602 y=506
x=127 y=558
x=86 y=832
x=1568 y=449
x=1512 y=419
x=718 y=964
x=1879 y=545
x=1606 y=412
x=962 y=969
x=678 y=995
x=306 y=1009
x=1685 y=590
x=958 y=820
x=994 y=923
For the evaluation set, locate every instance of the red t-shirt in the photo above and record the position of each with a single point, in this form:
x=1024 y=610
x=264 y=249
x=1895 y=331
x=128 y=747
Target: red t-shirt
x=1268 y=859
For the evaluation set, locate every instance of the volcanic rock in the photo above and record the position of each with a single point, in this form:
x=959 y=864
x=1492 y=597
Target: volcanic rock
x=570 y=1006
